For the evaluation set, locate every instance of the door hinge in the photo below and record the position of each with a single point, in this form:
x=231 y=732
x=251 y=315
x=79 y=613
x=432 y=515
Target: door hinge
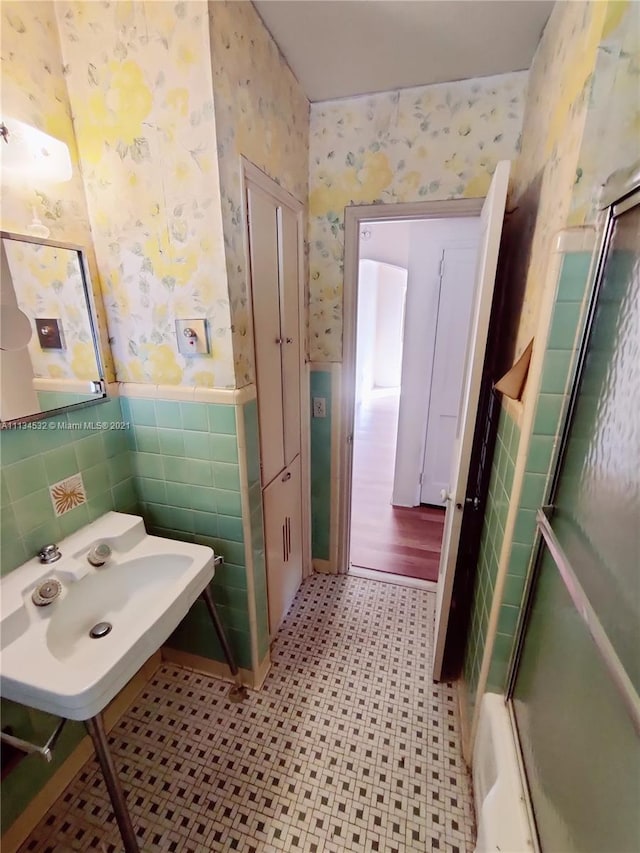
x=350 y=438
x=441 y=265
x=420 y=479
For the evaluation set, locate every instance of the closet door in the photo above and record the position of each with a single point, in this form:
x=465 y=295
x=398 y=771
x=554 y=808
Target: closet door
x=290 y=326
x=282 y=501
x=264 y=256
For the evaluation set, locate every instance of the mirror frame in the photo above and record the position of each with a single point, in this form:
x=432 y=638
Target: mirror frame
x=88 y=293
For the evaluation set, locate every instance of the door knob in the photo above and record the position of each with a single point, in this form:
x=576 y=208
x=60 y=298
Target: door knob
x=445 y=496
x=475 y=502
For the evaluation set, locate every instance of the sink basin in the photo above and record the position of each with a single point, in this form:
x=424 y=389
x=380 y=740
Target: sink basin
x=49 y=659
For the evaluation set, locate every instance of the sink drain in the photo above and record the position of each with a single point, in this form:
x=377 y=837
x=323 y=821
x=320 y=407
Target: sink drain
x=101 y=629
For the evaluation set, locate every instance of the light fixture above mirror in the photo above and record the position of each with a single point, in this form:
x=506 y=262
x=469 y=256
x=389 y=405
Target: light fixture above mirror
x=32 y=158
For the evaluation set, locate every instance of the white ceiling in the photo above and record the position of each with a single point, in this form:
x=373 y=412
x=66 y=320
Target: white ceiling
x=340 y=48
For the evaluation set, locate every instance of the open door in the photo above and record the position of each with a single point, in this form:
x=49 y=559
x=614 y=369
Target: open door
x=490 y=232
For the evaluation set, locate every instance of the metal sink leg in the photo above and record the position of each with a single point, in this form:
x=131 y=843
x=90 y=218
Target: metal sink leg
x=95 y=727
x=238 y=692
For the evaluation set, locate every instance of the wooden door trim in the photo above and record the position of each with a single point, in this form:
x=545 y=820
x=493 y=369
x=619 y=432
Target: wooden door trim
x=354 y=216
x=251 y=174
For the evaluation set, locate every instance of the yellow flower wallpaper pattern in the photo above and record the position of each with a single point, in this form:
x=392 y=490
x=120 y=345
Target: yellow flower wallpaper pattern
x=576 y=132
x=35 y=92
x=263 y=114
x=139 y=78
x=611 y=140
x=48 y=283
x=422 y=144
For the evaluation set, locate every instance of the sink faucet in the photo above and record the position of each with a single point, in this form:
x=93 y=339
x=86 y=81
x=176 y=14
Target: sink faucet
x=99 y=554
x=49 y=553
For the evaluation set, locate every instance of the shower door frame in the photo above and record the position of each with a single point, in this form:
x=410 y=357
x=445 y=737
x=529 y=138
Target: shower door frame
x=624 y=201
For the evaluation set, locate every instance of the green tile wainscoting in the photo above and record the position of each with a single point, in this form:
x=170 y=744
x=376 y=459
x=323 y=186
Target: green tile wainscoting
x=256 y=524
x=320 y=386
x=185 y=458
x=33 y=457
x=550 y=405
x=498 y=497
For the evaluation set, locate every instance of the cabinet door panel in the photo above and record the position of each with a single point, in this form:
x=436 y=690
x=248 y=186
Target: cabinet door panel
x=283 y=533
x=263 y=248
x=294 y=514
x=290 y=323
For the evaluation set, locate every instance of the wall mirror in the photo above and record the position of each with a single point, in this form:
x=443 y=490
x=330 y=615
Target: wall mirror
x=49 y=355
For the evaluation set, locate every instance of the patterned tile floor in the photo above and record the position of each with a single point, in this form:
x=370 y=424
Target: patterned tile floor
x=349 y=747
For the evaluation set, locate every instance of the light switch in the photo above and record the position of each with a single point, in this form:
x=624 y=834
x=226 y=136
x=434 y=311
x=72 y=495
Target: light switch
x=192 y=337
x=50 y=333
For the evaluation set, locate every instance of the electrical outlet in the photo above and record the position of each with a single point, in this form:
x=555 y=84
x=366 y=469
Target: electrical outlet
x=319 y=407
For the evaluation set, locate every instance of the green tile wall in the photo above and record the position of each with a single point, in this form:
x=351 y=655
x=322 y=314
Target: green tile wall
x=33 y=458
x=320 y=386
x=550 y=405
x=58 y=399
x=498 y=498
x=186 y=474
x=250 y=414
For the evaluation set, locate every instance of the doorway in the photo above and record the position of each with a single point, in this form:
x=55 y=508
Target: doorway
x=415 y=287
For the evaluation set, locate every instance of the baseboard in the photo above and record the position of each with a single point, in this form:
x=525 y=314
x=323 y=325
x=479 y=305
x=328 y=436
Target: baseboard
x=323 y=567
x=216 y=668
x=24 y=825
x=388 y=577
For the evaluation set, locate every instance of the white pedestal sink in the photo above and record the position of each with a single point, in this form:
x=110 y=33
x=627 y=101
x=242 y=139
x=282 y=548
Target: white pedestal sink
x=49 y=659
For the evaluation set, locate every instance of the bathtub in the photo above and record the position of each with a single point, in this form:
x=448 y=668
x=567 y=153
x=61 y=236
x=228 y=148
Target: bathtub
x=500 y=796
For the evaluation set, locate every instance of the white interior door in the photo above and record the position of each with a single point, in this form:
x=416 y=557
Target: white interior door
x=428 y=239
x=290 y=330
x=491 y=220
x=454 y=313
x=263 y=249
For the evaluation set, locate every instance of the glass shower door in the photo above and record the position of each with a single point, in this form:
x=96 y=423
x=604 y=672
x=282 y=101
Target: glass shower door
x=575 y=694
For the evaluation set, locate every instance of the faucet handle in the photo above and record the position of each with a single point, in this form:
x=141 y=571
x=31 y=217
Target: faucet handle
x=99 y=554
x=49 y=553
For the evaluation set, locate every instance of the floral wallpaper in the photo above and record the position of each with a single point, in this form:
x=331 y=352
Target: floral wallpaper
x=34 y=91
x=582 y=121
x=611 y=139
x=556 y=110
x=421 y=144
x=262 y=113
x=139 y=79
x=48 y=283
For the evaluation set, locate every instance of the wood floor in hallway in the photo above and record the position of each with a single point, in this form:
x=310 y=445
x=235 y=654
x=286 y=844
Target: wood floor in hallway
x=398 y=540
